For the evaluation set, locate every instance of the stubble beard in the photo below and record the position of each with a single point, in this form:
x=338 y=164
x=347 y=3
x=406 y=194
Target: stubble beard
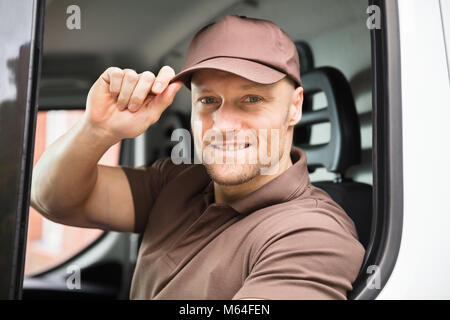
x=232 y=174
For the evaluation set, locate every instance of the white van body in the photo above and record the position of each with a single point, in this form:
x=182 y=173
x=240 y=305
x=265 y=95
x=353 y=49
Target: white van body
x=423 y=263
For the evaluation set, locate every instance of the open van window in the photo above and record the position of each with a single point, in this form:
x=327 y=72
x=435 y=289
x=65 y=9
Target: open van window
x=351 y=126
x=49 y=244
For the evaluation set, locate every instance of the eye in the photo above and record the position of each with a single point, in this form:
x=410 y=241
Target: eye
x=252 y=99
x=208 y=100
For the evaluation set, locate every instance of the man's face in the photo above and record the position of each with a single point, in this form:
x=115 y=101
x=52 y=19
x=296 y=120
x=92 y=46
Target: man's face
x=241 y=127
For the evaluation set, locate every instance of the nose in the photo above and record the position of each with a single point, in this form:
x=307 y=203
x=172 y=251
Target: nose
x=227 y=118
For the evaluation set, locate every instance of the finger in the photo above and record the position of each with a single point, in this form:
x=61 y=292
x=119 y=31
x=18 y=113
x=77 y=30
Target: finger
x=141 y=90
x=113 y=76
x=129 y=82
x=162 y=80
x=160 y=102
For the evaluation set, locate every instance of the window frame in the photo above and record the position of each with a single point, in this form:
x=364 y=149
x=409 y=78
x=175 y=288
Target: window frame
x=387 y=155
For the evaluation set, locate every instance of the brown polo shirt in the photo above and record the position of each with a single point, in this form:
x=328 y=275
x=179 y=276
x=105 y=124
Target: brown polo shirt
x=286 y=240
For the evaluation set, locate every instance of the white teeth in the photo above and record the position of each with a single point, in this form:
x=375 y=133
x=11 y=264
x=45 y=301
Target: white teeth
x=229 y=147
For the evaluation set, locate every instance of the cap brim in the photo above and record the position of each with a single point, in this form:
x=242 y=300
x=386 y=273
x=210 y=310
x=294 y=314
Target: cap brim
x=247 y=69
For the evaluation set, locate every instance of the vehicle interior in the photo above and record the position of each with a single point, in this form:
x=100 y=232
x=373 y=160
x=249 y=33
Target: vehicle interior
x=334 y=45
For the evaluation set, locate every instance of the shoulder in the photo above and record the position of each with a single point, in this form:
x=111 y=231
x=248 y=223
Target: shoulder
x=312 y=225
x=303 y=251
x=313 y=211
x=168 y=170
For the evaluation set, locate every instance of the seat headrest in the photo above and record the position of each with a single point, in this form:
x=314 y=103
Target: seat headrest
x=344 y=147
x=305 y=55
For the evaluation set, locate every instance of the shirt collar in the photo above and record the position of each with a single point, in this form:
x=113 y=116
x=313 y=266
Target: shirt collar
x=287 y=186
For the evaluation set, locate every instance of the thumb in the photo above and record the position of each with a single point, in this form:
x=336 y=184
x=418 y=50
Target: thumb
x=165 y=99
x=172 y=89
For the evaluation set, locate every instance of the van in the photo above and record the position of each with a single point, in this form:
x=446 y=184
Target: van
x=375 y=125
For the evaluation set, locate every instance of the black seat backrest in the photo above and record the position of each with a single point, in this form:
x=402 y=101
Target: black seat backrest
x=342 y=150
x=356 y=199
x=159 y=143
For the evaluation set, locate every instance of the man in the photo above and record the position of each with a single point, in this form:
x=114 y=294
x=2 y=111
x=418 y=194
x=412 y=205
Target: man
x=238 y=225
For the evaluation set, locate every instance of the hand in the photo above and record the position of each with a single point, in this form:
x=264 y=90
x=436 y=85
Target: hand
x=123 y=104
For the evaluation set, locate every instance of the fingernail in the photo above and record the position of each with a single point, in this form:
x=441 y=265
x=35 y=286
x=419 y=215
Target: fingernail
x=121 y=107
x=132 y=107
x=157 y=86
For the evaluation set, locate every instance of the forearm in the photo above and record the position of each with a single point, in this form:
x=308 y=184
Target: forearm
x=67 y=172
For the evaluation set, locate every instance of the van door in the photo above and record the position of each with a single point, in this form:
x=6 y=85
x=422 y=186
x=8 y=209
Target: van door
x=21 y=28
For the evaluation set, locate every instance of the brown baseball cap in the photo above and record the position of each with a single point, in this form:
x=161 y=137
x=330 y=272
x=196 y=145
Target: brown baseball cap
x=255 y=49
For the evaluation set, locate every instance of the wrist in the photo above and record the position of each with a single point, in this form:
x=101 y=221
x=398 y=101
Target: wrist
x=98 y=136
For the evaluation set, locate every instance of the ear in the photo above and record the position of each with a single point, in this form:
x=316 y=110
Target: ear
x=295 y=108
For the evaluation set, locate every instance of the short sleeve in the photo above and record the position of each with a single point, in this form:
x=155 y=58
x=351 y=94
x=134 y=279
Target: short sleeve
x=317 y=261
x=145 y=183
